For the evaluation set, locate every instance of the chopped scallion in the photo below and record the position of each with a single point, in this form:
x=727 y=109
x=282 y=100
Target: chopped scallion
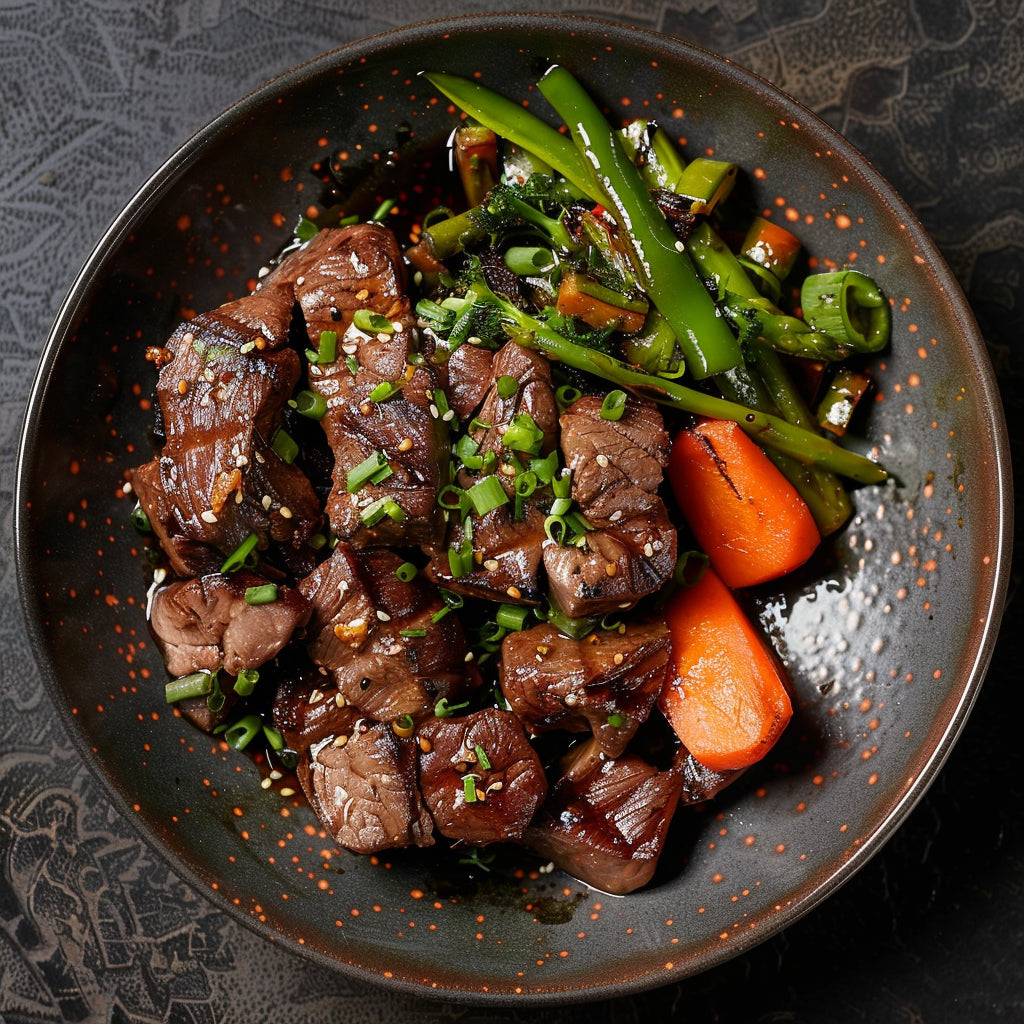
x=373 y=323
x=245 y=681
x=406 y=572
x=140 y=520
x=614 y=405
x=486 y=495
x=373 y=469
x=310 y=404
x=284 y=446
x=241 y=733
x=442 y=709
x=241 y=555
x=195 y=684
x=265 y=593
x=507 y=386
x=481 y=757
x=512 y=616
x=523 y=435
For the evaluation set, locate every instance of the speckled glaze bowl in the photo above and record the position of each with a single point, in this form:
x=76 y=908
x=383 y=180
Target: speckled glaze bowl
x=886 y=640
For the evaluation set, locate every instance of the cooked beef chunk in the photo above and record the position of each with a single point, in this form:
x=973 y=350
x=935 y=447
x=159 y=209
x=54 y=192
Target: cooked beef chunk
x=469 y=376
x=224 y=379
x=480 y=776
x=701 y=783
x=358 y=775
x=347 y=270
x=364 y=789
x=508 y=565
x=204 y=624
x=605 y=454
x=616 y=467
x=608 y=682
x=363 y=631
x=533 y=395
x=506 y=550
x=605 y=821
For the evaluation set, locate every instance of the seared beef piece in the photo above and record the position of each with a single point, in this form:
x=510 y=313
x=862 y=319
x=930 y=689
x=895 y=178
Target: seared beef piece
x=343 y=271
x=701 y=783
x=629 y=554
x=469 y=376
x=365 y=791
x=607 y=682
x=534 y=396
x=510 y=555
x=605 y=821
x=480 y=799
x=197 y=711
x=507 y=551
x=616 y=467
x=206 y=623
x=358 y=775
x=223 y=382
x=605 y=454
x=360 y=611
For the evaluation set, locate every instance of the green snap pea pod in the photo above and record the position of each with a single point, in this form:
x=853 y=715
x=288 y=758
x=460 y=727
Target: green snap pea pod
x=668 y=273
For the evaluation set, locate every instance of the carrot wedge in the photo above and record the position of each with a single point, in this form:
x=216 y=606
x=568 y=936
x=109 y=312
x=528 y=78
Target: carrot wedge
x=724 y=694
x=745 y=514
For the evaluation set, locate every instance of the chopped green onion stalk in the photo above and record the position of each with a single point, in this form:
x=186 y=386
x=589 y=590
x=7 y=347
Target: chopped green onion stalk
x=140 y=520
x=310 y=404
x=266 y=593
x=442 y=709
x=327 y=350
x=486 y=494
x=512 y=616
x=614 y=405
x=523 y=435
x=373 y=469
x=372 y=323
x=406 y=572
x=481 y=757
x=241 y=733
x=245 y=681
x=529 y=260
x=195 y=684
x=241 y=555
x=507 y=386
x=566 y=395
x=284 y=446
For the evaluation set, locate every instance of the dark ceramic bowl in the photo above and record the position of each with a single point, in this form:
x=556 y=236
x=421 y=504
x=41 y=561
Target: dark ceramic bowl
x=887 y=641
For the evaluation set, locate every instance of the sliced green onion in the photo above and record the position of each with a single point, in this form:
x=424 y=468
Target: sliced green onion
x=452 y=498
x=451 y=599
x=486 y=494
x=245 y=681
x=215 y=700
x=310 y=404
x=406 y=572
x=412 y=634
x=476 y=424
x=372 y=323
x=377 y=510
x=240 y=556
x=512 y=616
x=523 y=435
x=560 y=506
x=441 y=404
x=140 y=520
x=284 y=446
x=575 y=629
x=561 y=485
x=327 y=350
x=545 y=469
x=373 y=469
x=442 y=709
x=507 y=386
x=689 y=568
x=266 y=593
x=305 y=229
x=555 y=529
x=615 y=720
x=466 y=447
x=383 y=210
x=316 y=541
x=469 y=789
x=566 y=395
x=614 y=405
x=481 y=757
x=383 y=391
x=240 y=734
x=273 y=737
x=195 y=684
x=456 y=564
x=353 y=364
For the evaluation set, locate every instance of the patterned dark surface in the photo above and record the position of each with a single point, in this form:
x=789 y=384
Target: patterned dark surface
x=93 y=927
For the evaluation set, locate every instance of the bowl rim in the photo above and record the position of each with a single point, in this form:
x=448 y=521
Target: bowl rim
x=165 y=177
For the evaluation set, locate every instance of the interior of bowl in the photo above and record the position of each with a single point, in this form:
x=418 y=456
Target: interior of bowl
x=886 y=636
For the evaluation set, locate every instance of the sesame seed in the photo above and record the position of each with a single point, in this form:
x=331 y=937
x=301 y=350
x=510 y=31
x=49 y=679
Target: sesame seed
x=395 y=649
x=350 y=348
x=514 y=592
x=362 y=294
x=383 y=616
x=611 y=568
x=316 y=696
x=405 y=444
x=602 y=461
x=209 y=516
x=680 y=246
x=263 y=271
x=469 y=656
x=287 y=791
x=397 y=326
x=619 y=658
x=259 y=458
x=648 y=549
x=242 y=460
x=188 y=337
x=340 y=741
x=448 y=416
x=182 y=387
x=570 y=700
x=365 y=408
x=491 y=564
x=433 y=410
x=266 y=501
x=300 y=280
x=266 y=783
x=286 y=512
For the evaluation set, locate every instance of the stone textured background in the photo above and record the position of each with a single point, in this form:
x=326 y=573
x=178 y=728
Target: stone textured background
x=94 y=95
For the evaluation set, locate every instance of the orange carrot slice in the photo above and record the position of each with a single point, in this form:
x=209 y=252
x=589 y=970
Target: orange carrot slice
x=745 y=514
x=724 y=694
